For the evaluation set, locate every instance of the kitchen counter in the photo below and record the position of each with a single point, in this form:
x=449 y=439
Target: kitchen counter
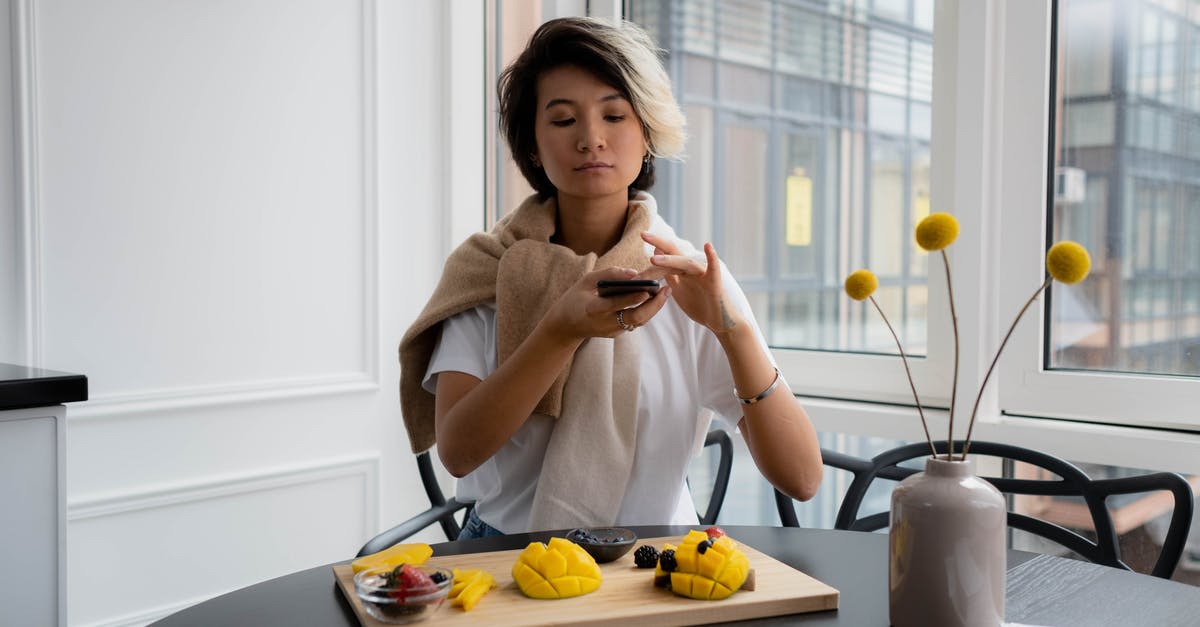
x=22 y=386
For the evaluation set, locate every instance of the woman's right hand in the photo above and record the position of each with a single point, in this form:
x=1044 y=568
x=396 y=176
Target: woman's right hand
x=581 y=312
x=475 y=418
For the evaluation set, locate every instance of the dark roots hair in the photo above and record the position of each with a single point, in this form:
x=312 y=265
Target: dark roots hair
x=621 y=56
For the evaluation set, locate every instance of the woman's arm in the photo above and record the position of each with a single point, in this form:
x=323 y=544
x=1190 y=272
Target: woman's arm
x=777 y=430
x=474 y=418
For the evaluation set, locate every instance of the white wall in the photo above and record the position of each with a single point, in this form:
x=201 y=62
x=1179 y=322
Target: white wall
x=236 y=208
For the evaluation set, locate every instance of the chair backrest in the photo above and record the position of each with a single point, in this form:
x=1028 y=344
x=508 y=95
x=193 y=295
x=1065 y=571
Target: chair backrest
x=721 y=439
x=441 y=511
x=444 y=510
x=1070 y=481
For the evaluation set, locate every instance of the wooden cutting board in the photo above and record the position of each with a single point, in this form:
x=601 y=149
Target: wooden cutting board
x=627 y=593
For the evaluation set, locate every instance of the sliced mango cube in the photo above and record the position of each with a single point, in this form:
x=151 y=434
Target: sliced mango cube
x=469 y=587
x=395 y=555
x=559 y=570
x=712 y=574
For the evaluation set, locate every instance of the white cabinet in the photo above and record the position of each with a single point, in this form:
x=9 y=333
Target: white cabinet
x=33 y=493
x=33 y=516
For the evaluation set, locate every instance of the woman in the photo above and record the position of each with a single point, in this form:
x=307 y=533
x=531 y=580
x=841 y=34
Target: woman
x=558 y=407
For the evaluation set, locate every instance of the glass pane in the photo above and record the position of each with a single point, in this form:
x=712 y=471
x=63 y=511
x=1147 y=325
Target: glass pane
x=802 y=161
x=808 y=155
x=1127 y=186
x=695 y=221
x=743 y=170
x=515 y=22
x=886 y=216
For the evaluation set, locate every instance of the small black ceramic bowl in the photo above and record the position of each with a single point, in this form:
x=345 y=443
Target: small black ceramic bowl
x=604 y=544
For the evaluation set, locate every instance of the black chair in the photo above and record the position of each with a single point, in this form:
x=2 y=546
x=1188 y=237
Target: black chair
x=1070 y=481
x=720 y=439
x=443 y=510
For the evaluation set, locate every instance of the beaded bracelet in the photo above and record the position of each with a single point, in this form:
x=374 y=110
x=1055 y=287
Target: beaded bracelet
x=761 y=395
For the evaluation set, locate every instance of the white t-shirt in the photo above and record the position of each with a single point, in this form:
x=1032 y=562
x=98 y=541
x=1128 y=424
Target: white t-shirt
x=685 y=377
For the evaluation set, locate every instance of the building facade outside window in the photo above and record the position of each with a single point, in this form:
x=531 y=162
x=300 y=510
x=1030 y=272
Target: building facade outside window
x=808 y=157
x=1127 y=155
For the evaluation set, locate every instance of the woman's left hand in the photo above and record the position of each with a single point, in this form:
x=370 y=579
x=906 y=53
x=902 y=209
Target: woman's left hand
x=695 y=286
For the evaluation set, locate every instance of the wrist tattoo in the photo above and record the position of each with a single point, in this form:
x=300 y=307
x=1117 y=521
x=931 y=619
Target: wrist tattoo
x=727 y=321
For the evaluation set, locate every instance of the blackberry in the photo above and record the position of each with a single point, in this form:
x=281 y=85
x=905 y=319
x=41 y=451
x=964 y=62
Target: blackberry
x=666 y=559
x=437 y=577
x=645 y=556
x=702 y=548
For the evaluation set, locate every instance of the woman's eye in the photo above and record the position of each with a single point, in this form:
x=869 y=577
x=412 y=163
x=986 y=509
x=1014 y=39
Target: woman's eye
x=566 y=122
x=614 y=118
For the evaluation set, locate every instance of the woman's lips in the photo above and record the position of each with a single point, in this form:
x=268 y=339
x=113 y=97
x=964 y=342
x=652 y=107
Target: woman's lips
x=592 y=165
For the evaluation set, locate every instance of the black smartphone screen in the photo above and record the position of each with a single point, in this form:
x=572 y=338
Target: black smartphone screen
x=613 y=288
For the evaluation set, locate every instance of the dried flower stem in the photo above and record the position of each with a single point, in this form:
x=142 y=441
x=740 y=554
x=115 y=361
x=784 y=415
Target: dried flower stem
x=1036 y=293
x=908 y=372
x=954 y=382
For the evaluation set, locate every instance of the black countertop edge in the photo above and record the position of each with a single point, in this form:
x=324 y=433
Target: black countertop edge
x=24 y=386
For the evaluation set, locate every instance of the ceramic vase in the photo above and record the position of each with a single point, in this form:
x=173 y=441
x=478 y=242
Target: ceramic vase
x=946 y=548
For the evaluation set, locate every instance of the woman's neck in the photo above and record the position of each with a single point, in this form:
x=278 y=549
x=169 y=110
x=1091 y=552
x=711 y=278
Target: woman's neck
x=591 y=225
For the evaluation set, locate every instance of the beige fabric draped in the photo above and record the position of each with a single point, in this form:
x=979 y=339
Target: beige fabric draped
x=594 y=398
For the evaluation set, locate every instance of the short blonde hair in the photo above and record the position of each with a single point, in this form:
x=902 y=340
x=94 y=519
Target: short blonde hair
x=623 y=56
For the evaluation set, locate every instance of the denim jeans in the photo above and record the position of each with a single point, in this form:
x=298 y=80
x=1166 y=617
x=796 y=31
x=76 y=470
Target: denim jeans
x=476 y=528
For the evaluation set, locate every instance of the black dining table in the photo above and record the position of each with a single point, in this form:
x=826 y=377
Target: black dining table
x=1041 y=589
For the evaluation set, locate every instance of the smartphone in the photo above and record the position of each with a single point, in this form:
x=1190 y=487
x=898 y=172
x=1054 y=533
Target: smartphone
x=615 y=288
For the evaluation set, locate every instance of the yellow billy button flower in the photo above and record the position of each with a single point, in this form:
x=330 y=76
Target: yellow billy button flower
x=937 y=231
x=861 y=284
x=1068 y=262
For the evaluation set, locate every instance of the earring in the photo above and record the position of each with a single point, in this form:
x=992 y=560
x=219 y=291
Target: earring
x=536 y=162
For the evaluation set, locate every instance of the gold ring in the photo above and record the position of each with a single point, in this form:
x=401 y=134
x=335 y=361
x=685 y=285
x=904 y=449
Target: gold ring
x=621 y=321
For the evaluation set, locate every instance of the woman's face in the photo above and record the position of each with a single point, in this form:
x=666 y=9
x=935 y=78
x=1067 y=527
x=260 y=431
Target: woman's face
x=589 y=141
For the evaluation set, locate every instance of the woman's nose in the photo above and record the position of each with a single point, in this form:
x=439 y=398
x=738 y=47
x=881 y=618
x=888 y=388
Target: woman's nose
x=590 y=137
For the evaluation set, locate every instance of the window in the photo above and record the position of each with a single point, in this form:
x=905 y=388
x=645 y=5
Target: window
x=1124 y=345
x=822 y=128
x=1145 y=251
x=809 y=157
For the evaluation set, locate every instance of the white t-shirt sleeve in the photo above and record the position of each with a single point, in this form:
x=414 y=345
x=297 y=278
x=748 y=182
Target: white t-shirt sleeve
x=467 y=345
x=716 y=379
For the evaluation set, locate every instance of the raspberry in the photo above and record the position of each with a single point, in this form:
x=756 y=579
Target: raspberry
x=645 y=556
x=714 y=532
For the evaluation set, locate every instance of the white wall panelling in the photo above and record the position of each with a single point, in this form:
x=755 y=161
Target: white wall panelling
x=193 y=216
x=205 y=184
x=209 y=536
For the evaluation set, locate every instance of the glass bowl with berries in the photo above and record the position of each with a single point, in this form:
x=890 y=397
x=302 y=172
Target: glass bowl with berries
x=404 y=593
